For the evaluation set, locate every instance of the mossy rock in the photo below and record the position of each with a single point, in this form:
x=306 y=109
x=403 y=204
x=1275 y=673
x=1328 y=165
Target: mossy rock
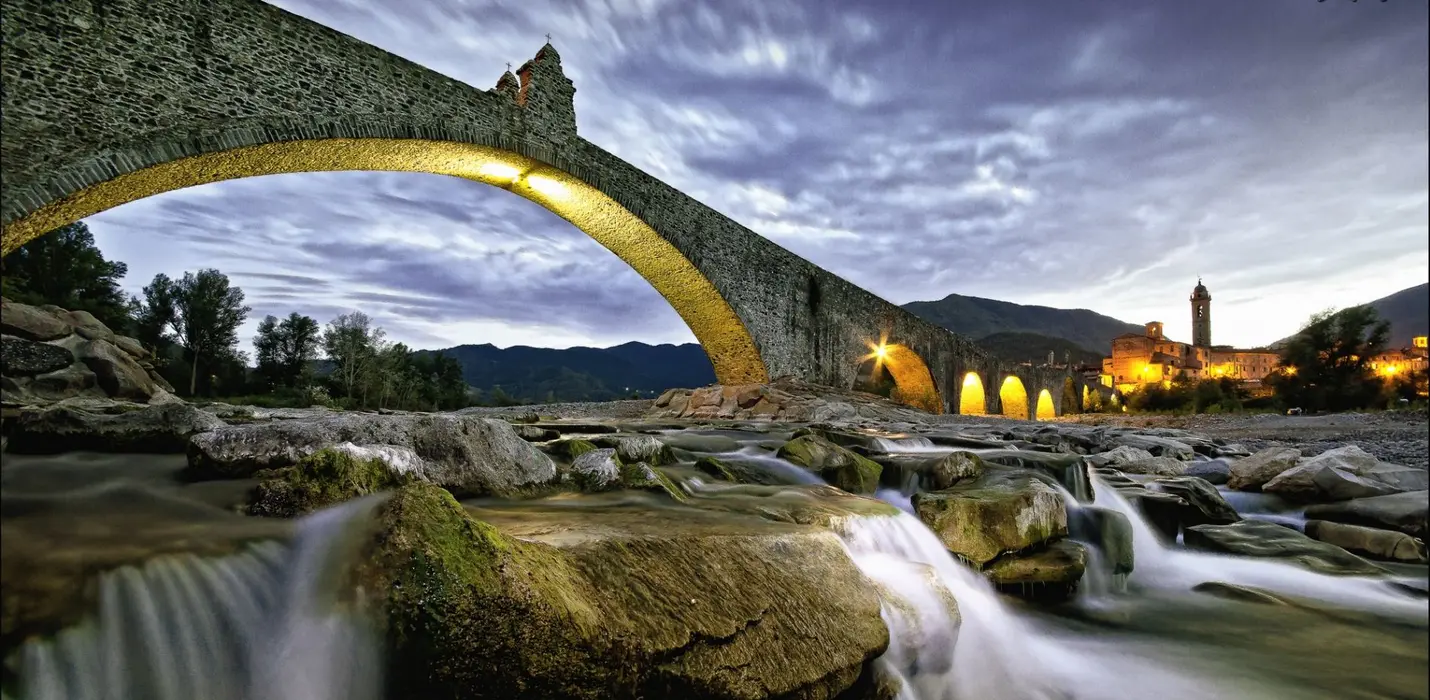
x=319 y=480
x=636 y=608
x=997 y=513
x=647 y=478
x=570 y=449
x=836 y=465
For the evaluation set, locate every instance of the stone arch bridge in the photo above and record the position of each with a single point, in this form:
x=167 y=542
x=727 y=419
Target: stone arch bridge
x=110 y=101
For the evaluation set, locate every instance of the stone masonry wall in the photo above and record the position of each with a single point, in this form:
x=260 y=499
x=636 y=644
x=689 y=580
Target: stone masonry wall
x=97 y=88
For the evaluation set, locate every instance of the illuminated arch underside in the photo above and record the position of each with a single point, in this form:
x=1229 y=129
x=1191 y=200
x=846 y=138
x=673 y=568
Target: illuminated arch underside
x=1046 y=409
x=971 y=401
x=911 y=376
x=1014 y=398
x=732 y=352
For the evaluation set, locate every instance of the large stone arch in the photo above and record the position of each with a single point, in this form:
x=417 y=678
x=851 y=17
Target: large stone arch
x=732 y=352
x=108 y=102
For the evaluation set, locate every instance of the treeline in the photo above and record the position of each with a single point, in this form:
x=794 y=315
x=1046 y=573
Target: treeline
x=191 y=324
x=1326 y=366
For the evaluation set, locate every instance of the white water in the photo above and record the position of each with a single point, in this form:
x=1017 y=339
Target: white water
x=995 y=654
x=771 y=464
x=910 y=445
x=258 y=625
x=1169 y=568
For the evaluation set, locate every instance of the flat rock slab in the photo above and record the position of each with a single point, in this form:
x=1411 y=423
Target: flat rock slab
x=1405 y=512
x=1256 y=538
x=1387 y=545
x=465 y=454
x=164 y=428
x=1051 y=573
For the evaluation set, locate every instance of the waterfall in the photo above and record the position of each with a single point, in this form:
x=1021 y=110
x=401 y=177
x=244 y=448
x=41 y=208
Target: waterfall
x=262 y=624
x=1167 y=567
x=908 y=445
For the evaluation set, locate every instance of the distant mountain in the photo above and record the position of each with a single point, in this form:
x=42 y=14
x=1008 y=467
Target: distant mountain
x=581 y=373
x=980 y=318
x=1034 y=347
x=1408 y=311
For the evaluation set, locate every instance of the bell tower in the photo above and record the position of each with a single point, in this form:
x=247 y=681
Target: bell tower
x=1201 y=316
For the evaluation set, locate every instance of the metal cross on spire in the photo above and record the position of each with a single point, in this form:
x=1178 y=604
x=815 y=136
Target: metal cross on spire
x=508 y=66
x=548 y=38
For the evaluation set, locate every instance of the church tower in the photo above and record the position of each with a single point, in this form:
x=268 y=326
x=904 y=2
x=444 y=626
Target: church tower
x=1201 y=316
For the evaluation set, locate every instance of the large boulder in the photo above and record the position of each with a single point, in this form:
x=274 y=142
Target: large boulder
x=26 y=358
x=1388 y=545
x=995 y=514
x=950 y=469
x=1256 y=538
x=1069 y=470
x=834 y=464
x=119 y=375
x=87 y=326
x=1251 y=473
x=596 y=470
x=127 y=428
x=1049 y=574
x=1215 y=471
x=686 y=606
x=1344 y=473
x=1122 y=454
x=467 y=455
x=1156 y=446
x=636 y=448
x=330 y=476
x=1204 y=503
x=1407 y=512
x=31 y=322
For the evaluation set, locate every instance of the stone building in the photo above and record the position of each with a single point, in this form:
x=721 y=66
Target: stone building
x=1403 y=361
x=1152 y=357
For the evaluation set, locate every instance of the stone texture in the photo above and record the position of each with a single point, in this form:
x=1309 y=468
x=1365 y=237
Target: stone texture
x=1388 y=545
x=952 y=468
x=26 y=358
x=31 y=322
x=1154 y=466
x=464 y=454
x=1256 y=538
x=134 y=428
x=1404 y=512
x=1205 y=504
x=1251 y=473
x=834 y=464
x=119 y=375
x=1046 y=575
x=108 y=70
x=996 y=514
x=1344 y=473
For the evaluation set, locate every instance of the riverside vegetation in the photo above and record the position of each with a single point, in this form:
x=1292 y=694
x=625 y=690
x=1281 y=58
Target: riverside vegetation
x=734 y=542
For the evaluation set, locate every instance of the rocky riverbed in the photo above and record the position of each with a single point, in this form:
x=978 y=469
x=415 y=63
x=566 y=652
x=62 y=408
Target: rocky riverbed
x=763 y=541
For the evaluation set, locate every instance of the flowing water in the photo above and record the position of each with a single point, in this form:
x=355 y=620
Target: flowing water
x=262 y=624
x=265 y=623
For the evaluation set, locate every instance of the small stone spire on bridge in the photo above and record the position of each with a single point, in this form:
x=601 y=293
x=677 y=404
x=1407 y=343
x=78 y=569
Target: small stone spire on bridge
x=547 y=96
x=507 y=85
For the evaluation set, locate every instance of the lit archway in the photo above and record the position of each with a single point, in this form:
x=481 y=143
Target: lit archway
x=731 y=349
x=913 y=383
x=1014 y=398
x=1046 y=409
x=971 y=401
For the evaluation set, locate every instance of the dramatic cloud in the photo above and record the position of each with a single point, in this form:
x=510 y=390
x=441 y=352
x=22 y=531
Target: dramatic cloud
x=1097 y=155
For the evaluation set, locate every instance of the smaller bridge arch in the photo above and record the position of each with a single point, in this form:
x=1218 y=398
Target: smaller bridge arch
x=914 y=383
x=971 y=399
x=1013 y=395
x=1046 y=408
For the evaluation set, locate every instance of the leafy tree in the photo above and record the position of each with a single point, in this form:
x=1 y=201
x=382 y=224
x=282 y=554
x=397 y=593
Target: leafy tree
x=353 y=344
x=285 y=349
x=65 y=268
x=201 y=313
x=1326 y=366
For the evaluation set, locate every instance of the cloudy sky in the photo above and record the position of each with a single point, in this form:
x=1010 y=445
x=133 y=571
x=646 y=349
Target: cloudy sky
x=1084 y=154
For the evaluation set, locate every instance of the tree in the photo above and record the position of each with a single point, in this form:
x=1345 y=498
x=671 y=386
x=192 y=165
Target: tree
x=201 y=312
x=353 y=344
x=1325 y=367
x=65 y=268
x=285 y=349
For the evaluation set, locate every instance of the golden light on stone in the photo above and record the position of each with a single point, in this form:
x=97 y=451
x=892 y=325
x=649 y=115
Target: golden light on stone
x=1390 y=370
x=971 y=401
x=911 y=375
x=732 y=351
x=1014 y=398
x=1046 y=409
x=1290 y=371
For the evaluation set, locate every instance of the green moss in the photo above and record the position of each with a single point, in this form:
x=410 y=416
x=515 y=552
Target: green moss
x=836 y=465
x=643 y=476
x=470 y=612
x=321 y=479
x=716 y=469
x=571 y=449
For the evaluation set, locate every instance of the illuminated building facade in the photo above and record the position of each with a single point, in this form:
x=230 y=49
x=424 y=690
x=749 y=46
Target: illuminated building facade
x=1404 y=361
x=1151 y=357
